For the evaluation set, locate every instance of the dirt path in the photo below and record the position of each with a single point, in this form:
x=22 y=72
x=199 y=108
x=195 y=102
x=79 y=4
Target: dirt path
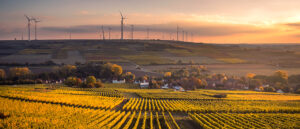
x=130 y=95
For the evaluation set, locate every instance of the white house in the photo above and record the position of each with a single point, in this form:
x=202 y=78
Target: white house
x=257 y=89
x=118 y=81
x=166 y=86
x=178 y=88
x=279 y=91
x=144 y=84
x=264 y=86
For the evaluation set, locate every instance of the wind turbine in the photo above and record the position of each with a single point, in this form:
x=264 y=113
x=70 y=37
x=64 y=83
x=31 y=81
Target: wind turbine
x=177 y=32
x=186 y=36
x=122 y=24
x=183 y=35
x=148 y=33
x=35 y=26
x=109 y=29
x=132 y=29
x=103 y=36
x=28 y=20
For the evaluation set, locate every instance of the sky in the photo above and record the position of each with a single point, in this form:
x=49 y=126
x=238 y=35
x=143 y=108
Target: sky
x=209 y=21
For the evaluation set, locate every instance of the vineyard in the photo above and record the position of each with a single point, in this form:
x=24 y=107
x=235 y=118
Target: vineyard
x=258 y=120
x=42 y=106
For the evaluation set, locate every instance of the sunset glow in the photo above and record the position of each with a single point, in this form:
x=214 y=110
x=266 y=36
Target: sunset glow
x=211 y=21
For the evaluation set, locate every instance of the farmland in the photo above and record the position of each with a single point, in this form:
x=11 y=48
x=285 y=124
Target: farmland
x=154 y=55
x=127 y=106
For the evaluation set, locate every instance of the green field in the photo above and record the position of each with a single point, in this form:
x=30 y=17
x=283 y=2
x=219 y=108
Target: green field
x=127 y=106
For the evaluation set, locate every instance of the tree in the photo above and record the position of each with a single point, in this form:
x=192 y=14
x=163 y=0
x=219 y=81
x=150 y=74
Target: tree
x=19 y=71
x=78 y=81
x=153 y=84
x=72 y=81
x=167 y=74
x=67 y=70
x=250 y=75
x=91 y=80
x=197 y=83
x=117 y=70
x=2 y=74
x=281 y=76
x=294 y=79
x=269 y=89
x=90 y=85
x=99 y=84
x=190 y=83
x=253 y=83
x=129 y=77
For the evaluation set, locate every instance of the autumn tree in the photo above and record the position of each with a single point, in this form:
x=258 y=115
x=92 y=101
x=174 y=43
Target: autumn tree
x=112 y=70
x=72 y=81
x=99 y=84
x=66 y=71
x=187 y=84
x=181 y=73
x=129 y=77
x=294 y=79
x=2 y=74
x=117 y=70
x=167 y=74
x=91 y=79
x=279 y=79
x=269 y=89
x=250 y=75
x=153 y=84
x=196 y=82
x=19 y=72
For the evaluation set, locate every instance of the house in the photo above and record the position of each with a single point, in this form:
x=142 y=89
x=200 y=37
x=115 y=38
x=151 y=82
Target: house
x=178 y=88
x=166 y=86
x=279 y=91
x=257 y=89
x=118 y=81
x=144 y=84
x=264 y=86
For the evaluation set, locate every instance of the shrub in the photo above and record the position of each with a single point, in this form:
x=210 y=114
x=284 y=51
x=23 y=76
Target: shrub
x=90 y=85
x=71 y=81
x=269 y=89
x=220 y=95
x=99 y=84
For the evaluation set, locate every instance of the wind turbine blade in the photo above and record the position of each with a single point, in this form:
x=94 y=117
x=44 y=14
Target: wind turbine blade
x=28 y=18
x=121 y=14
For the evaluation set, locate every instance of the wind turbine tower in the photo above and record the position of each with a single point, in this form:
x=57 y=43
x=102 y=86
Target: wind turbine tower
x=109 y=29
x=177 y=32
x=28 y=20
x=132 y=29
x=183 y=35
x=103 y=36
x=148 y=33
x=186 y=36
x=35 y=27
x=122 y=25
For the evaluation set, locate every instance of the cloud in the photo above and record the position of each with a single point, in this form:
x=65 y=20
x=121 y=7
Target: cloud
x=294 y=25
x=200 y=29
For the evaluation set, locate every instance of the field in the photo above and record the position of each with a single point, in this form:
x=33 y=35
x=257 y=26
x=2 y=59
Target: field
x=161 y=54
x=127 y=106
